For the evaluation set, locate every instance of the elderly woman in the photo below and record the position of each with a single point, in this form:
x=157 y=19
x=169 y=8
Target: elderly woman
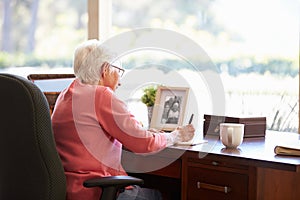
x=91 y=124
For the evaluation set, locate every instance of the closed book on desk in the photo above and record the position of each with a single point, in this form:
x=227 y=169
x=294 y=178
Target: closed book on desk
x=254 y=126
x=290 y=150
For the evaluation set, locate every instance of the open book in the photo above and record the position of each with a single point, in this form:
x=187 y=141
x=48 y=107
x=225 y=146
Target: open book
x=291 y=150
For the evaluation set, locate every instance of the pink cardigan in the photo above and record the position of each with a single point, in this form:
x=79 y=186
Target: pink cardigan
x=90 y=125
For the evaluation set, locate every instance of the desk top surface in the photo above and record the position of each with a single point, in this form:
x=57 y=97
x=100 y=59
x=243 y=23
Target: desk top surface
x=258 y=150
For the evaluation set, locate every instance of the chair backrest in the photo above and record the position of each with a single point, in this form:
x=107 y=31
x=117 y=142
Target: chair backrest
x=30 y=167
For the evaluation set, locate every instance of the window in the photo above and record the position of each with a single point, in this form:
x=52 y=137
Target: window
x=40 y=36
x=254 y=45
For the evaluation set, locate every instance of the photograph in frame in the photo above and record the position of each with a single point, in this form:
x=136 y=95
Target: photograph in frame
x=169 y=107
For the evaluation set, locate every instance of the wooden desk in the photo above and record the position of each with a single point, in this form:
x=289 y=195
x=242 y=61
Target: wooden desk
x=210 y=171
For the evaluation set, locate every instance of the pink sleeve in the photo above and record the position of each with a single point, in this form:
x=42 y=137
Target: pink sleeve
x=117 y=121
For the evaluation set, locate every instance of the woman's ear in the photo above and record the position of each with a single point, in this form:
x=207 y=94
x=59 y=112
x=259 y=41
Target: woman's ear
x=105 y=68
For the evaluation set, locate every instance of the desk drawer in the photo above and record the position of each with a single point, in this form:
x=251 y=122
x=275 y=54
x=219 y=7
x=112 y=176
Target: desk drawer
x=204 y=183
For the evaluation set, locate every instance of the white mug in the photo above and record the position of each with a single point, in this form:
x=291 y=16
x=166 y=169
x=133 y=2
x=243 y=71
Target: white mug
x=231 y=134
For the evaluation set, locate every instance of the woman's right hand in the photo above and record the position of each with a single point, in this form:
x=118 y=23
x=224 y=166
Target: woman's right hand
x=185 y=133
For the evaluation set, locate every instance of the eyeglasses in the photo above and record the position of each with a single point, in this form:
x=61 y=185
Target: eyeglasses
x=120 y=70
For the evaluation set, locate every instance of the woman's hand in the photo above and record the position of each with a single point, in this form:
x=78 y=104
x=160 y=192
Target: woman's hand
x=185 y=133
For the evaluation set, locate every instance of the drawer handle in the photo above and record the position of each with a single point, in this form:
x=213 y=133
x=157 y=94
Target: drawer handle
x=218 y=188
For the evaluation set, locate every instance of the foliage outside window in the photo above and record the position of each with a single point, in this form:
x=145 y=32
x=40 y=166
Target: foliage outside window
x=253 y=43
x=41 y=33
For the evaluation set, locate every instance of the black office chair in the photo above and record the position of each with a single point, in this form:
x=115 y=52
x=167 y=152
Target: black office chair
x=30 y=167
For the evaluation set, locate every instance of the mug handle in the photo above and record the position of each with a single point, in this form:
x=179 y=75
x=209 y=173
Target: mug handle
x=230 y=136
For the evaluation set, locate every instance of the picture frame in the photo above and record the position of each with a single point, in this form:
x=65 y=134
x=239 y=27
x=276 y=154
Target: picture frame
x=169 y=107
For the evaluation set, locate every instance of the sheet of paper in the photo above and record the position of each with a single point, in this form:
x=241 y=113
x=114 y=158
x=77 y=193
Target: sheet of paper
x=191 y=143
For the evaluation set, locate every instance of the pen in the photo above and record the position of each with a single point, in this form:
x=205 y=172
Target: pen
x=191 y=119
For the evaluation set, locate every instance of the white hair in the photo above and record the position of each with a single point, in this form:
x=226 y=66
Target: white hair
x=88 y=61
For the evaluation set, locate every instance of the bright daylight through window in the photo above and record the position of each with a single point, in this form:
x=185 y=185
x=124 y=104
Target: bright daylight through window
x=254 y=44
x=40 y=36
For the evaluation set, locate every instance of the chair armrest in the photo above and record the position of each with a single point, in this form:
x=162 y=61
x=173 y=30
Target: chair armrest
x=112 y=185
x=120 y=181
